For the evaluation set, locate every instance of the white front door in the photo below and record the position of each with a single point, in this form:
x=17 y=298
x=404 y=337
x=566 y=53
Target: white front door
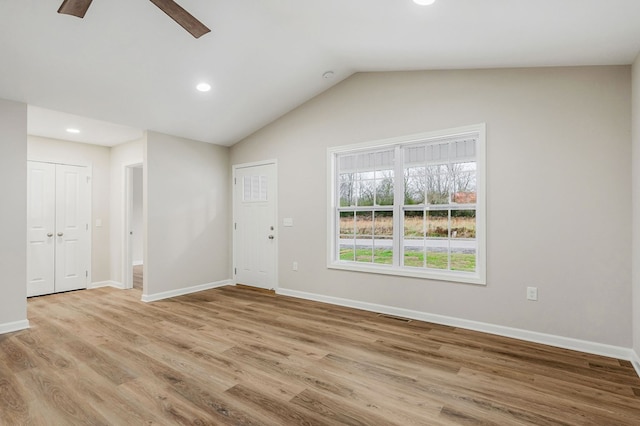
x=58 y=214
x=255 y=233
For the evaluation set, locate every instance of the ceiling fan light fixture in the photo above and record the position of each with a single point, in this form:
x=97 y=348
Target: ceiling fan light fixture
x=203 y=87
x=171 y=8
x=424 y=2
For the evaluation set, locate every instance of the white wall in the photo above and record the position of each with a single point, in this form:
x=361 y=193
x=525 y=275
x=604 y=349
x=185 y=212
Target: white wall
x=121 y=156
x=98 y=157
x=13 y=216
x=558 y=149
x=187 y=212
x=136 y=216
x=636 y=207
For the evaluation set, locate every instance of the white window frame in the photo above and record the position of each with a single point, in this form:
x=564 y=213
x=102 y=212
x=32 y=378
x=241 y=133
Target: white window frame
x=333 y=231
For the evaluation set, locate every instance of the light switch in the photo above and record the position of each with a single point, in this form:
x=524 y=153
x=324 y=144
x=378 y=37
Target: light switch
x=287 y=221
x=98 y=223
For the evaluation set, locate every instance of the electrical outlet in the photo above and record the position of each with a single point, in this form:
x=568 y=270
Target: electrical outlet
x=532 y=293
x=294 y=267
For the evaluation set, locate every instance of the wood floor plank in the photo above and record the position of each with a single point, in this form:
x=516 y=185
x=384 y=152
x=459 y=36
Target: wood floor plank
x=47 y=353
x=166 y=406
x=15 y=357
x=98 y=392
x=62 y=405
x=248 y=375
x=529 y=401
x=13 y=400
x=234 y=356
x=137 y=277
x=341 y=411
x=390 y=402
x=272 y=411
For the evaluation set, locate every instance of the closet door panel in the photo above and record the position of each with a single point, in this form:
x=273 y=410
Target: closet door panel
x=40 y=228
x=72 y=228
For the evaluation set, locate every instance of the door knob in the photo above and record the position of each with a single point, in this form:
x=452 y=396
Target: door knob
x=60 y=234
x=50 y=234
x=271 y=237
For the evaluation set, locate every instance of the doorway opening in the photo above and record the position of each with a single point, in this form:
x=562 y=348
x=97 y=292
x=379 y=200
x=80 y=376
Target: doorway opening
x=133 y=253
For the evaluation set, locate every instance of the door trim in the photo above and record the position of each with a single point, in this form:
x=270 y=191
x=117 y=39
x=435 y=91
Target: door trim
x=234 y=168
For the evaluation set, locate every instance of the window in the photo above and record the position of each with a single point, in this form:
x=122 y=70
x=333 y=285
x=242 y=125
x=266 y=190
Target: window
x=410 y=206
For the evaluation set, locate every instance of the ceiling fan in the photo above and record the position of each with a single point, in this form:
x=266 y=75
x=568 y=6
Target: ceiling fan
x=174 y=10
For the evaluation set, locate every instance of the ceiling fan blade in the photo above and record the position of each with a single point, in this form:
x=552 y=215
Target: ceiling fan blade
x=182 y=17
x=75 y=7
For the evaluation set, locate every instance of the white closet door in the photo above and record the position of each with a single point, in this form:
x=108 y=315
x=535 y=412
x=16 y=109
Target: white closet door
x=72 y=228
x=58 y=214
x=40 y=228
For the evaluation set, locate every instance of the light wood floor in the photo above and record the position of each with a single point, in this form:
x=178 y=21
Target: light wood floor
x=241 y=357
x=137 y=277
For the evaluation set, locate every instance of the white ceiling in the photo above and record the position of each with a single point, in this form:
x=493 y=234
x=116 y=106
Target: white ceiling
x=128 y=63
x=54 y=124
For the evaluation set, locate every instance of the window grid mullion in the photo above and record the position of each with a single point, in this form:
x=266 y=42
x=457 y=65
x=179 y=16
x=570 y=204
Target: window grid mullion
x=449 y=240
x=373 y=235
x=398 y=202
x=424 y=238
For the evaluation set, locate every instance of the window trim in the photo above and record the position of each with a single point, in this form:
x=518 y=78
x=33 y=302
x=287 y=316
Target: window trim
x=479 y=276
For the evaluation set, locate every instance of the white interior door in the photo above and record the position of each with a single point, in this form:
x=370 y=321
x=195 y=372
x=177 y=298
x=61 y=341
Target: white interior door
x=40 y=228
x=72 y=228
x=58 y=214
x=255 y=225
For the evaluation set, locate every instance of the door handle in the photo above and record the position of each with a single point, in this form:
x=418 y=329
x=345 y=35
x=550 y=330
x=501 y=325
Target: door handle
x=271 y=237
x=50 y=234
x=60 y=234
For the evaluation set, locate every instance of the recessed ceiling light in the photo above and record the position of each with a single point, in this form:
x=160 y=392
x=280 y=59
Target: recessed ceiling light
x=328 y=75
x=72 y=130
x=203 y=87
x=424 y=2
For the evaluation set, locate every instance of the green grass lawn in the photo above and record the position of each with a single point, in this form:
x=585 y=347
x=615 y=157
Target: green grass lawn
x=459 y=261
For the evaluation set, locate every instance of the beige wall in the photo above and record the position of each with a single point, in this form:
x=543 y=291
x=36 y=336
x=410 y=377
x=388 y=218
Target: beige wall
x=559 y=175
x=13 y=216
x=98 y=157
x=121 y=156
x=187 y=212
x=636 y=206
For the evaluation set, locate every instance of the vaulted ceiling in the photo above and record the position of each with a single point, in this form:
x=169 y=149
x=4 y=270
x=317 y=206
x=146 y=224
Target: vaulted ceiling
x=126 y=62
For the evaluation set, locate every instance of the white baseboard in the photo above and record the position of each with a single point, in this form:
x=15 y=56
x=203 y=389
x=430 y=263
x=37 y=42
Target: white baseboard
x=183 y=291
x=635 y=360
x=531 y=336
x=137 y=263
x=113 y=284
x=10 y=327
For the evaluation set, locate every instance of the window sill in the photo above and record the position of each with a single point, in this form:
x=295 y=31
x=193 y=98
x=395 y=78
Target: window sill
x=451 y=276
